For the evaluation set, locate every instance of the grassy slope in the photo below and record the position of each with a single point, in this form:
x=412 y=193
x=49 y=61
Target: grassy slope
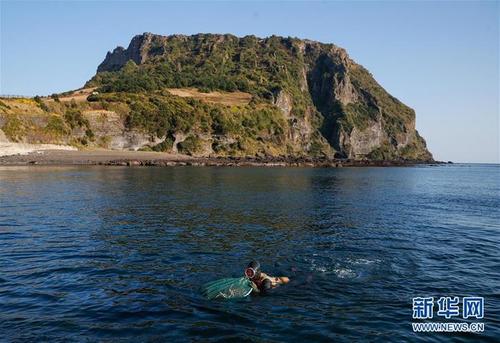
x=246 y=128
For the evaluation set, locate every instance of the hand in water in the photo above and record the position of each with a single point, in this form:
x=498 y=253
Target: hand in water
x=284 y=279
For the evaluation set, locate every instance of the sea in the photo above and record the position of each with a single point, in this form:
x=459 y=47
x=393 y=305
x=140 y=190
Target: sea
x=108 y=254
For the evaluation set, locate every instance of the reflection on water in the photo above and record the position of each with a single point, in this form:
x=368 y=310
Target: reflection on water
x=108 y=253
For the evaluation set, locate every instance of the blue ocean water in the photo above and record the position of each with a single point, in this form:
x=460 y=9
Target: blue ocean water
x=119 y=254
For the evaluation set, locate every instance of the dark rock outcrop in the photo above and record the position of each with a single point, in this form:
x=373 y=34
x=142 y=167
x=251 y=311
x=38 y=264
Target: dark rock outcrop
x=137 y=51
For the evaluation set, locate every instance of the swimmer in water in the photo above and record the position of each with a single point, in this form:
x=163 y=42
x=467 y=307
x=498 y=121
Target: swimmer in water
x=262 y=282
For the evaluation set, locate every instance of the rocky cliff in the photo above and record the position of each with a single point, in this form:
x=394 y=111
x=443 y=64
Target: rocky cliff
x=319 y=89
x=222 y=95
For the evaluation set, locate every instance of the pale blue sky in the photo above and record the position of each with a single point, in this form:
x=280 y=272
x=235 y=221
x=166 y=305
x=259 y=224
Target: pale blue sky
x=440 y=58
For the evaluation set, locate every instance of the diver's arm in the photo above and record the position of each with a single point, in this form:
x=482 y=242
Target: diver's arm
x=255 y=288
x=278 y=280
x=283 y=279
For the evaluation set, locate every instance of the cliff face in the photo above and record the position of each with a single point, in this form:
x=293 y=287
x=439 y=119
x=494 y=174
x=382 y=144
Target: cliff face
x=329 y=103
x=137 y=51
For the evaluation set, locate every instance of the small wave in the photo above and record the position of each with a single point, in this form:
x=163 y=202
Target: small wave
x=349 y=268
x=363 y=261
x=339 y=271
x=345 y=273
x=319 y=269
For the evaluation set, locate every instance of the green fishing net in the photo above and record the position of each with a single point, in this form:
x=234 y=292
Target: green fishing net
x=229 y=288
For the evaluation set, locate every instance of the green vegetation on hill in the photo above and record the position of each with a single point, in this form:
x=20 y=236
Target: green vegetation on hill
x=36 y=121
x=393 y=111
x=214 y=63
x=254 y=128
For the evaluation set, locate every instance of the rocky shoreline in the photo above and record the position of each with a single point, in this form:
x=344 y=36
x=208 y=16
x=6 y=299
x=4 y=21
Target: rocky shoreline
x=264 y=162
x=151 y=159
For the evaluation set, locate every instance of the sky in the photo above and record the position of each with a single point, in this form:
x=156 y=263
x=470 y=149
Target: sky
x=440 y=58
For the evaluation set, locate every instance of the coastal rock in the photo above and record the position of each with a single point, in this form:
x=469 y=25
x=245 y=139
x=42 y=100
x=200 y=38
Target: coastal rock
x=360 y=143
x=284 y=102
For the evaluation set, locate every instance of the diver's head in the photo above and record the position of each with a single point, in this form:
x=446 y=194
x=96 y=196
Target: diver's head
x=252 y=271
